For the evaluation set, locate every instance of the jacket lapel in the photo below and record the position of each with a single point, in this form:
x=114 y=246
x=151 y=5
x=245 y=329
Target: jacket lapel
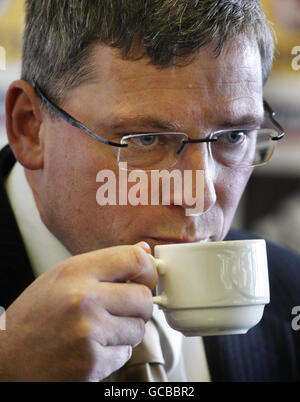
x=265 y=353
x=15 y=269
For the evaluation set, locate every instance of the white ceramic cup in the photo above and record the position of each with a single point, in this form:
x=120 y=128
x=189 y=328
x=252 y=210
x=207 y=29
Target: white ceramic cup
x=215 y=288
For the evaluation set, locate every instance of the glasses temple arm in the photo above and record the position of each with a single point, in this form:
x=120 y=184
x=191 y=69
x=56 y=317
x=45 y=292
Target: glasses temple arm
x=71 y=120
x=272 y=114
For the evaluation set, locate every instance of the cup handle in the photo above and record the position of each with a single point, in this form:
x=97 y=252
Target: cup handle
x=161 y=300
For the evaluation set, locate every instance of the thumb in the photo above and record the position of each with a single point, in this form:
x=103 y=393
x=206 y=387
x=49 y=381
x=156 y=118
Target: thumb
x=145 y=246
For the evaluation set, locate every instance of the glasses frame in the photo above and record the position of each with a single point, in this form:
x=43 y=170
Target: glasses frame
x=186 y=140
x=75 y=123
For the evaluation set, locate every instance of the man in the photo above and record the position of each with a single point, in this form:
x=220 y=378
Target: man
x=122 y=68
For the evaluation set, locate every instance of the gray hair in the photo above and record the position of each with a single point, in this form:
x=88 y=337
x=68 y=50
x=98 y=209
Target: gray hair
x=60 y=35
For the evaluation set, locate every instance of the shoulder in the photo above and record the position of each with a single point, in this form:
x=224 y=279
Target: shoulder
x=279 y=257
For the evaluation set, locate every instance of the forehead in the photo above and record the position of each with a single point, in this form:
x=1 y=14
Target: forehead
x=226 y=85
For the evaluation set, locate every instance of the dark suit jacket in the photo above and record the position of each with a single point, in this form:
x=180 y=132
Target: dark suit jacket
x=268 y=352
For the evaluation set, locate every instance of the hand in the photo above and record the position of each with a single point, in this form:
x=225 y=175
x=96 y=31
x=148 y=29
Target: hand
x=80 y=320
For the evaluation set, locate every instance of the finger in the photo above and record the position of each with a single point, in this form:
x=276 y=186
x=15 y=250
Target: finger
x=117 y=264
x=145 y=246
x=125 y=299
x=109 y=360
x=118 y=330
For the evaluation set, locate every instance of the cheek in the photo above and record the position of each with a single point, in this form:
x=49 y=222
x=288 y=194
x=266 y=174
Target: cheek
x=72 y=161
x=230 y=187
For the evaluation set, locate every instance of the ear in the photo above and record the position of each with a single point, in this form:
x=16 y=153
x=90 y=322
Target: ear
x=23 y=124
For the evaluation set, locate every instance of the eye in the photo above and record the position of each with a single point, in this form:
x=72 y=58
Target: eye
x=147 y=140
x=235 y=137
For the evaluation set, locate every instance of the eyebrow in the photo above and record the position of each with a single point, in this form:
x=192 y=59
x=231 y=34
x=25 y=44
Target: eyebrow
x=158 y=124
x=144 y=121
x=246 y=120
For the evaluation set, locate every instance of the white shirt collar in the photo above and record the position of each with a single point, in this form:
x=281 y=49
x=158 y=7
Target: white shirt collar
x=43 y=248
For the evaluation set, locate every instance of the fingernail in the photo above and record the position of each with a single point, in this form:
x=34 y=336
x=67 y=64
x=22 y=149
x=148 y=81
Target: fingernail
x=144 y=244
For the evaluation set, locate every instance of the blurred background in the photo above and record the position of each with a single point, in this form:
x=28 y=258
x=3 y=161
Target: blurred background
x=11 y=23
x=271 y=204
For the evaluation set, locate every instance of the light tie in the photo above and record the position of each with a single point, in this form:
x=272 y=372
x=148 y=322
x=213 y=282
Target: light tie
x=147 y=362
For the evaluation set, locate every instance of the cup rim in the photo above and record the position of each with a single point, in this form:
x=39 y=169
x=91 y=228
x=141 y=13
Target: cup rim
x=222 y=243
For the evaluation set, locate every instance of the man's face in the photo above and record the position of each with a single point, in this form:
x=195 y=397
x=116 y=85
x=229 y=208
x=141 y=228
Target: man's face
x=202 y=97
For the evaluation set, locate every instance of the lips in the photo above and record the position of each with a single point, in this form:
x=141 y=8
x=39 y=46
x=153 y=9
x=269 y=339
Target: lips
x=185 y=239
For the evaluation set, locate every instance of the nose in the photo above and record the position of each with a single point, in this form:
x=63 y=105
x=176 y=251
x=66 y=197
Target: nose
x=195 y=162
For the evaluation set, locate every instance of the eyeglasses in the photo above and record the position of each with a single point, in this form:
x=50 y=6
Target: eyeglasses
x=154 y=151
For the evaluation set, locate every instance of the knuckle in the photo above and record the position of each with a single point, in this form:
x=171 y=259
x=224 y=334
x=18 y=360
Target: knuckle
x=145 y=292
x=138 y=256
x=78 y=301
x=84 y=332
x=115 y=360
x=140 y=329
x=128 y=352
x=144 y=295
x=135 y=331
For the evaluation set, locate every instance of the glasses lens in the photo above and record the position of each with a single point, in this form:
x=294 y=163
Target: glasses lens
x=265 y=146
x=151 y=151
x=243 y=148
x=234 y=148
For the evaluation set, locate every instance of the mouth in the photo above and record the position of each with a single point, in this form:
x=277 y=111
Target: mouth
x=179 y=240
